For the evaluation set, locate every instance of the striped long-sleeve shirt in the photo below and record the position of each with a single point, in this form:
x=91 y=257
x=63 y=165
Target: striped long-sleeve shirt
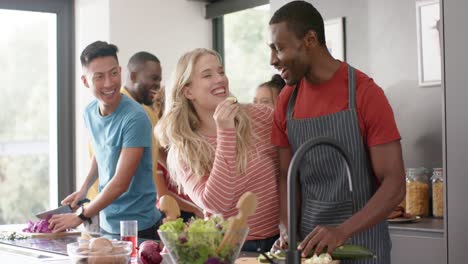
x=219 y=191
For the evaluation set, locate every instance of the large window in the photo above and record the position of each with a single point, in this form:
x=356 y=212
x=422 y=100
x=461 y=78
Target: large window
x=35 y=141
x=246 y=53
x=28 y=67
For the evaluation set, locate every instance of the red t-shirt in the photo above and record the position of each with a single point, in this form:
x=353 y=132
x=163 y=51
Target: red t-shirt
x=375 y=115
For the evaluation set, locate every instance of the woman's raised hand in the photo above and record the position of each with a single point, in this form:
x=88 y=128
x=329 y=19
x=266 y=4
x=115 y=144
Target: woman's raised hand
x=225 y=113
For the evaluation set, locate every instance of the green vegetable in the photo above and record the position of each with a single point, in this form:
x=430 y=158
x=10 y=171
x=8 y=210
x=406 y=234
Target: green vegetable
x=349 y=252
x=344 y=252
x=263 y=259
x=280 y=255
x=352 y=252
x=5 y=235
x=173 y=226
x=198 y=241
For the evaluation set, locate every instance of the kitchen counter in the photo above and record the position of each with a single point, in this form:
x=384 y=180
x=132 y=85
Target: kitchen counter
x=425 y=238
x=53 y=250
x=14 y=254
x=431 y=227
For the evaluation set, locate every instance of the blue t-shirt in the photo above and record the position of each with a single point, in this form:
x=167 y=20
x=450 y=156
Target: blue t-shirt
x=128 y=126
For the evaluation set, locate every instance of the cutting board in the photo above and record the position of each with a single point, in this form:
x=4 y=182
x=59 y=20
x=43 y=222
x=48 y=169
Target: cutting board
x=51 y=235
x=246 y=260
x=17 y=228
x=253 y=260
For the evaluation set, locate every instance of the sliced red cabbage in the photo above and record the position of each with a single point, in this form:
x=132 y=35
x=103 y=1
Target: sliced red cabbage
x=41 y=226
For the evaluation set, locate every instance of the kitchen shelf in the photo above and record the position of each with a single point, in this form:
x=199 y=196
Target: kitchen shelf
x=429 y=224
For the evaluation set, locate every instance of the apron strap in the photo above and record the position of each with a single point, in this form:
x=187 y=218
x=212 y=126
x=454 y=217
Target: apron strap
x=351 y=87
x=292 y=102
x=351 y=93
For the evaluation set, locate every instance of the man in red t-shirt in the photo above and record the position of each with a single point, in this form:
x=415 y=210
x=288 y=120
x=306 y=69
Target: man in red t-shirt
x=325 y=97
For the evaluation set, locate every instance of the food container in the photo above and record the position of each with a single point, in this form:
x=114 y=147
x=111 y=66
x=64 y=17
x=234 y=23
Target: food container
x=201 y=247
x=117 y=253
x=438 y=192
x=417 y=192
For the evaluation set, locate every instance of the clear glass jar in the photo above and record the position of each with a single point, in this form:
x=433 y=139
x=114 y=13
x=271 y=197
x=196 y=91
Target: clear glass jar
x=438 y=192
x=417 y=192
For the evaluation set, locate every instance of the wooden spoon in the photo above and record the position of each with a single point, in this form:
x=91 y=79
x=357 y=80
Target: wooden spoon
x=246 y=205
x=169 y=206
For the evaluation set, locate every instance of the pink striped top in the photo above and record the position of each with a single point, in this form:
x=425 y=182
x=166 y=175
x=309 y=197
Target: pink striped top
x=219 y=192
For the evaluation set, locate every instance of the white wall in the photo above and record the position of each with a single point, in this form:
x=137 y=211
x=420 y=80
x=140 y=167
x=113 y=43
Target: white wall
x=164 y=28
x=91 y=23
x=393 y=63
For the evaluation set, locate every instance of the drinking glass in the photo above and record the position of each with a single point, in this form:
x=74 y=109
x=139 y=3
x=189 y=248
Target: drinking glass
x=129 y=232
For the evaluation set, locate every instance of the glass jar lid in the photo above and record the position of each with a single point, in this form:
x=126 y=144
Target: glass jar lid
x=437 y=174
x=416 y=174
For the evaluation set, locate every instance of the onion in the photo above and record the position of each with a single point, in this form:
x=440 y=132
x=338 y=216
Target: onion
x=149 y=252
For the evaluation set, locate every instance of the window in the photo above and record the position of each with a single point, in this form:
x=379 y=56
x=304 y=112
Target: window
x=246 y=53
x=35 y=142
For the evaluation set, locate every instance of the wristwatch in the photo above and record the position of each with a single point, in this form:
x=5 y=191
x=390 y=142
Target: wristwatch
x=80 y=214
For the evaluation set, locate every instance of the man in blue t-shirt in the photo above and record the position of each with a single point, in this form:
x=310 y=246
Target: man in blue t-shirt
x=121 y=139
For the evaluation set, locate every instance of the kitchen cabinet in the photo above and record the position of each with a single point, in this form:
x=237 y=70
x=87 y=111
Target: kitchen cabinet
x=421 y=242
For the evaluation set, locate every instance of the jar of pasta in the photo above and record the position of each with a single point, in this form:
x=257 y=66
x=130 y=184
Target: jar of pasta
x=417 y=192
x=438 y=192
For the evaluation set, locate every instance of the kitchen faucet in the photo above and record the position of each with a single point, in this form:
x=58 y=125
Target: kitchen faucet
x=293 y=255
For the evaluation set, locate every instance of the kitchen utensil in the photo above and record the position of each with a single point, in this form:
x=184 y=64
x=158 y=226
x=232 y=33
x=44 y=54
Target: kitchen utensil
x=169 y=206
x=60 y=210
x=246 y=205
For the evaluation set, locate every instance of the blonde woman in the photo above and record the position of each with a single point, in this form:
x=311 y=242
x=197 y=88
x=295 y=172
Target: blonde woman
x=164 y=185
x=217 y=148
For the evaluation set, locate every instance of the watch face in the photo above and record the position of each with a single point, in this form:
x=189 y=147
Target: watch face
x=79 y=210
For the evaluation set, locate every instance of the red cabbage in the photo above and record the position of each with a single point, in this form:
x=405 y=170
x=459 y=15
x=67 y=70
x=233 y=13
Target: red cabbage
x=41 y=226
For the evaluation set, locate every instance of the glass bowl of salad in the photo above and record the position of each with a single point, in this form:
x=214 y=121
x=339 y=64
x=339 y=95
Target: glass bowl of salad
x=198 y=242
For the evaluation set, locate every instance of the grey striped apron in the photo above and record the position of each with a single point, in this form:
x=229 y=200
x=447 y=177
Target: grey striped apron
x=327 y=198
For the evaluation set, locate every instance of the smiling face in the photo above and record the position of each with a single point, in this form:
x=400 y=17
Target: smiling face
x=209 y=85
x=148 y=81
x=103 y=77
x=289 y=54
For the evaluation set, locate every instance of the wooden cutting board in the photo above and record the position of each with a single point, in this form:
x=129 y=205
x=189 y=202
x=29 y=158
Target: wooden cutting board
x=253 y=260
x=51 y=235
x=17 y=228
x=247 y=260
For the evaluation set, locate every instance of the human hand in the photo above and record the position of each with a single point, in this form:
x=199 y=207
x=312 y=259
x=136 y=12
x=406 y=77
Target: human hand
x=62 y=222
x=321 y=237
x=225 y=113
x=73 y=199
x=281 y=243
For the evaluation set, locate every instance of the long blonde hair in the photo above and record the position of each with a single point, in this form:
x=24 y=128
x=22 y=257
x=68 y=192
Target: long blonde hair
x=177 y=129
